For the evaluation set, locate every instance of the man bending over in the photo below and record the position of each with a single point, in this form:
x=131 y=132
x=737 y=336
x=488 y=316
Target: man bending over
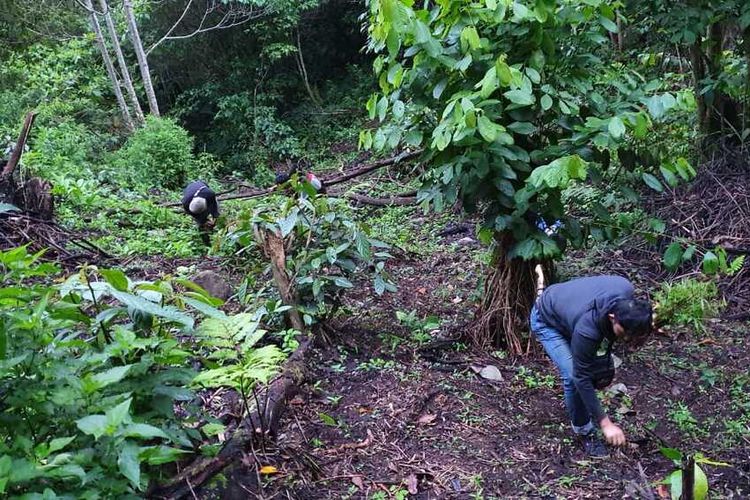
x=576 y=320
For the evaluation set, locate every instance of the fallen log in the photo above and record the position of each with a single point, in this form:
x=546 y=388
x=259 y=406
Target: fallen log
x=332 y=181
x=382 y=202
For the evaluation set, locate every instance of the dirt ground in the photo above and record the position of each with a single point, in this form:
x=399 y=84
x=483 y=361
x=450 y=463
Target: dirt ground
x=389 y=416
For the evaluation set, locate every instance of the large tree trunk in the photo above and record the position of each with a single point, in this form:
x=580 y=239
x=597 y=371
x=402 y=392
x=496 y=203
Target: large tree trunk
x=110 y=68
x=509 y=293
x=124 y=71
x=135 y=37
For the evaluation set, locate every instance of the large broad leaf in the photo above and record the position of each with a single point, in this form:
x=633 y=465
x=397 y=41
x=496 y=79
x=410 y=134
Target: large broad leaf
x=119 y=414
x=143 y=431
x=93 y=425
x=111 y=376
x=616 y=127
x=652 y=182
x=129 y=463
x=169 y=313
x=520 y=97
x=286 y=225
x=116 y=278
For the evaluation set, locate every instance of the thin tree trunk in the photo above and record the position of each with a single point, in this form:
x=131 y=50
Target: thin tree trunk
x=746 y=104
x=303 y=72
x=699 y=73
x=135 y=37
x=110 y=68
x=124 y=71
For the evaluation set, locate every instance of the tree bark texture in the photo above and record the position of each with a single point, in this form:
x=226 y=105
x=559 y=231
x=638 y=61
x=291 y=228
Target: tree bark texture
x=124 y=71
x=135 y=38
x=509 y=293
x=127 y=118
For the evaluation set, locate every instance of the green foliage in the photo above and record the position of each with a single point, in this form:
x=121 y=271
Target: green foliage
x=674 y=479
x=326 y=250
x=92 y=372
x=421 y=329
x=157 y=155
x=511 y=102
x=687 y=303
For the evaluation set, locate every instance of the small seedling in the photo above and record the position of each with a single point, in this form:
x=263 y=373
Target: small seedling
x=700 y=481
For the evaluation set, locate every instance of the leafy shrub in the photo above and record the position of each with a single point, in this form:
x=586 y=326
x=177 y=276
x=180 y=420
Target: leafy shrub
x=325 y=249
x=688 y=303
x=60 y=151
x=157 y=155
x=91 y=372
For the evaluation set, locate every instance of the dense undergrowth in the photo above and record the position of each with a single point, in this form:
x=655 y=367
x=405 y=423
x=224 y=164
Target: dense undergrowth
x=101 y=374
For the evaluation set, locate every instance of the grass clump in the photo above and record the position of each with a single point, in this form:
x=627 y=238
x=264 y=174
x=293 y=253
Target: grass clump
x=688 y=302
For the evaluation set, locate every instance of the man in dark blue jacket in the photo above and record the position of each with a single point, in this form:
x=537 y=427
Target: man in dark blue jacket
x=573 y=321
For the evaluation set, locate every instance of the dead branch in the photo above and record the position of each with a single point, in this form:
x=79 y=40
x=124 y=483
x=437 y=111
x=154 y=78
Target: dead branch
x=332 y=181
x=15 y=157
x=383 y=202
x=232 y=15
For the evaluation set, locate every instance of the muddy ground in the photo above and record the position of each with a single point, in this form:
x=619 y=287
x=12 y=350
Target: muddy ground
x=393 y=413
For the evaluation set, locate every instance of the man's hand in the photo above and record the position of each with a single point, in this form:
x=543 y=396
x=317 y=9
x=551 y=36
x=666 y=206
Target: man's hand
x=612 y=434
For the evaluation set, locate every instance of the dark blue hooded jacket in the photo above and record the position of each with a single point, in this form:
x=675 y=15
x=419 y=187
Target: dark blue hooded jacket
x=579 y=310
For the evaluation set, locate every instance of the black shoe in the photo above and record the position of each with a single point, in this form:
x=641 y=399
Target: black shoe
x=594 y=446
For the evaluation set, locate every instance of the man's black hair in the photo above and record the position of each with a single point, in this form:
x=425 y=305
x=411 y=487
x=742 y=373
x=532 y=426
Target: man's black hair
x=633 y=315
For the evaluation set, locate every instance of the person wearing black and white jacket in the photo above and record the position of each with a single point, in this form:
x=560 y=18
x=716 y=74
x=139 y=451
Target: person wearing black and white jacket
x=199 y=201
x=577 y=320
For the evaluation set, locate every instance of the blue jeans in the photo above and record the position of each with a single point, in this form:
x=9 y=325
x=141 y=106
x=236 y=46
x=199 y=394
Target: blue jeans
x=558 y=349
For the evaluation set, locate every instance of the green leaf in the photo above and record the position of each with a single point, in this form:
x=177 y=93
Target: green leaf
x=342 y=282
x=672 y=454
x=118 y=414
x=93 y=425
x=413 y=137
x=58 y=444
x=487 y=129
x=143 y=431
x=437 y=91
x=169 y=313
x=328 y=420
x=111 y=376
x=616 y=127
x=379 y=285
x=546 y=102
x=471 y=36
x=520 y=97
x=608 y=24
x=129 y=464
x=116 y=278
x=523 y=128
x=203 y=308
x=710 y=263
x=652 y=182
x=673 y=256
x=286 y=225
x=669 y=177
x=159 y=455
x=700 y=486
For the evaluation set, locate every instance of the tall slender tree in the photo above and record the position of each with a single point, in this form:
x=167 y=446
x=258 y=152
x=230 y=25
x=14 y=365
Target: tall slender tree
x=127 y=118
x=135 y=38
x=124 y=71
